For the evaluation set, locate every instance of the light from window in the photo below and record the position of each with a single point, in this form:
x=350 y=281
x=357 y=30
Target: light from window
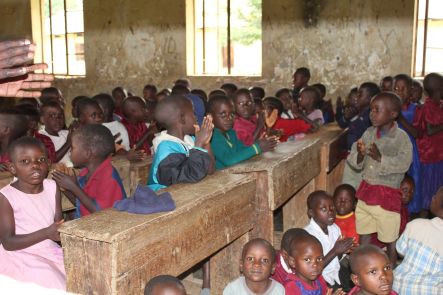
x=429 y=38
x=224 y=37
x=63 y=37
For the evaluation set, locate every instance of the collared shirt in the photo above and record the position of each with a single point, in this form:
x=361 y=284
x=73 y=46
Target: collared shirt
x=239 y=287
x=330 y=272
x=282 y=272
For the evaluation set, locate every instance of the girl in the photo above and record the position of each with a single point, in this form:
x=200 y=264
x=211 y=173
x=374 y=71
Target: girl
x=309 y=98
x=30 y=214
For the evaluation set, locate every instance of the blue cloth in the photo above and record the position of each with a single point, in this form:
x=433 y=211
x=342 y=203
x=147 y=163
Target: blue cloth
x=199 y=107
x=146 y=201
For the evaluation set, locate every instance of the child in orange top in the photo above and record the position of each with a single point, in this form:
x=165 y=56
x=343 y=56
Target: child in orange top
x=345 y=201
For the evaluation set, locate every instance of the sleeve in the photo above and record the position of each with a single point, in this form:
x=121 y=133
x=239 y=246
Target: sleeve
x=178 y=168
x=243 y=135
x=402 y=243
x=402 y=159
x=352 y=158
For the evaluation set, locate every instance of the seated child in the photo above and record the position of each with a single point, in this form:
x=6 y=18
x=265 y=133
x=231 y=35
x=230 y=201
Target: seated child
x=12 y=126
x=257 y=92
x=286 y=127
x=52 y=94
x=306 y=259
x=257 y=263
x=119 y=94
x=178 y=156
x=247 y=125
x=324 y=105
x=89 y=112
x=300 y=80
x=230 y=89
x=150 y=93
x=383 y=155
x=371 y=272
x=345 y=201
x=197 y=102
x=226 y=146
x=164 y=285
x=321 y=210
x=30 y=210
x=53 y=120
x=309 y=98
x=417 y=92
x=285 y=96
x=259 y=108
x=387 y=83
x=421 y=244
x=98 y=185
x=345 y=111
x=74 y=110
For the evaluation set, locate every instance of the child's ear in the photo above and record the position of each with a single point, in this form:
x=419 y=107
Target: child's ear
x=182 y=118
x=273 y=268
x=11 y=168
x=291 y=262
x=355 y=279
x=241 y=266
x=310 y=213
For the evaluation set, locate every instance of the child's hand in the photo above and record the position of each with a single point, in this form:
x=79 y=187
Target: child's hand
x=203 y=135
x=52 y=230
x=267 y=143
x=261 y=120
x=134 y=155
x=343 y=245
x=65 y=181
x=349 y=112
x=361 y=148
x=337 y=292
x=374 y=152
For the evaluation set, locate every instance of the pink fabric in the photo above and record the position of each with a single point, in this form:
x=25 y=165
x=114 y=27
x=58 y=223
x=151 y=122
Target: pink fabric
x=41 y=263
x=387 y=197
x=245 y=129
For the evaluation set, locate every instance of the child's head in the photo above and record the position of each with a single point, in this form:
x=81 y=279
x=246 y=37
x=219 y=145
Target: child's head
x=344 y=199
x=92 y=142
x=244 y=104
x=417 y=91
x=257 y=92
x=306 y=257
x=52 y=116
x=433 y=85
x=321 y=88
x=371 y=270
x=134 y=109
x=437 y=203
x=366 y=92
x=74 y=107
x=272 y=104
x=258 y=105
x=164 y=285
x=52 y=94
x=107 y=105
x=387 y=83
x=222 y=111
x=407 y=187
x=385 y=108
x=285 y=96
x=301 y=77
x=150 y=92
x=216 y=92
x=321 y=208
x=89 y=112
x=176 y=112
x=257 y=261
x=184 y=82
x=403 y=87
x=288 y=236
x=29 y=101
x=119 y=94
x=29 y=160
x=180 y=89
x=230 y=89
x=309 y=98
x=32 y=116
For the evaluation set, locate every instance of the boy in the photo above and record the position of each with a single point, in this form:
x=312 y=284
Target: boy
x=12 y=126
x=52 y=94
x=197 y=102
x=119 y=94
x=344 y=202
x=371 y=272
x=98 y=185
x=256 y=265
x=230 y=89
x=300 y=80
x=164 y=285
x=227 y=148
x=257 y=92
x=321 y=210
x=178 y=157
x=285 y=96
x=89 y=112
x=387 y=83
x=383 y=155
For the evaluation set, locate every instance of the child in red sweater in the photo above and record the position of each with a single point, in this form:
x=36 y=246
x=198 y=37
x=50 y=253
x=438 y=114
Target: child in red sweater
x=345 y=201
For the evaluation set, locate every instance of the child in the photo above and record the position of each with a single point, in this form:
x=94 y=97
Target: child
x=89 y=112
x=286 y=127
x=247 y=125
x=421 y=244
x=300 y=80
x=324 y=105
x=30 y=213
x=164 y=285
x=346 y=112
x=383 y=154
x=285 y=96
x=150 y=93
x=227 y=148
x=52 y=94
x=99 y=185
x=309 y=98
x=306 y=259
x=387 y=83
x=230 y=89
x=119 y=94
x=257 y=92
x=321 y=210
x=53 y=119
x=259 y=108
x=257 y=263
x=12 y=126
x=403 y=88
x=430 y=145
x=178 y=156
x=417 y=92
x=345 y=201
x=197 y=102
x=371 y=272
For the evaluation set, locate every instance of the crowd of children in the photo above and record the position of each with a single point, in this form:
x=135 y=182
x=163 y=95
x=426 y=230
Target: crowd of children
x=393 y=169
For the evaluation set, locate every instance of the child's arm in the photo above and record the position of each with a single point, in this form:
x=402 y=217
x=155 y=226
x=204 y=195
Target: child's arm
x=315 y=124
x=408 y=127
x=341 y=246
x=433 y=129
x=147 y=136
x=58 y=205
x=13 y=242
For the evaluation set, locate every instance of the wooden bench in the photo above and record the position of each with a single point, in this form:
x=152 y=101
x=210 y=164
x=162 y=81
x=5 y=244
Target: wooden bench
x=113 y=252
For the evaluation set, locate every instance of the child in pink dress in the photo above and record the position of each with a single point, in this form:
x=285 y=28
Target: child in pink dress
x=30 y=214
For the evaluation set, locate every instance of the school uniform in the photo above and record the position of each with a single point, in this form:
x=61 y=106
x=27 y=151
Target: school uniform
x=245 y=129
x=59 y=141
x=282 y=272
x=135 y=133
x=118 y=128
x=239 y=287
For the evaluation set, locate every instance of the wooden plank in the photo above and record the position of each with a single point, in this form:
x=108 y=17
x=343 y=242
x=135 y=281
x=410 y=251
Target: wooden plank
x=335 y=177
x=139 y=172
x=122 y=165
x=295 y=212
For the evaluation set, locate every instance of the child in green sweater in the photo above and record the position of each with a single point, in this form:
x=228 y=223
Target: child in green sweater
x=227 y=148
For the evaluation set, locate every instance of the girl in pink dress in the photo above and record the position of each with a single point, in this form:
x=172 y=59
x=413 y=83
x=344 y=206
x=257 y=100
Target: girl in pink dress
x=30 y=214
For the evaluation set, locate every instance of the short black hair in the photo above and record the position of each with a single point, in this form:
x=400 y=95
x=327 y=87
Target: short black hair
x=17 y=122
x=98 y=138
x=120 y=89
x=393 y=99
x=50 y=104
x=408 y=178
x=303 y=238
x=29 y=111
x=216 y=99
x=84 y=103
x=315 y=196
x=229 y=86
x=49 y=94
x=183 y=81
x=372 y=88
x=162 y=279
x=289 y=235
x=404 y=77
x=25 y=141
x=345 y=187
x=29 y=101
x=321 y=88
x=262 y=242
x=417 y=83
x=74 y=104
x=241 y=91
x=280 y=92
x=361 y=251
x=304 y=72
x=168 y=110
x=180 y=89
x=314 y=91
x=150 y=87
x=257 y=91
x=431 y=82
x=273 y=103
x=106 y=101
x=216 y=92
x=387 y=79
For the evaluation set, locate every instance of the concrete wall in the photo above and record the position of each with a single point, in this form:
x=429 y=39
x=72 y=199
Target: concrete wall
x=131 y=43
x=15 y=19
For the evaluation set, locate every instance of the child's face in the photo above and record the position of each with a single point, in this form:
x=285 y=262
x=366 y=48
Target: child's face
x=138 y=112
x=344 y=202
x=403 y=90
x=148 y=94
x=119 y=96
x=32 y=126
x=363 y=98
x=323 y=212
x=416 y=93
x=79 y=156
x=91 y=114
x=298 y=80
x=53 y=119
x=436 y=203
x=286 y=99
x=258 y=107
x=386 y=85
x=307 y=260
x=223 y=116
x=29 y=164
x=168 y=289
x=257 y=264
x=381 y=114
x=374 y=274
x=407 y=191
x=306 y=100
x=244 y=106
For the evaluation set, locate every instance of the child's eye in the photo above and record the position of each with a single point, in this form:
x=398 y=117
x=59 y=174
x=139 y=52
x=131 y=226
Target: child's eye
x=25 y=161
x=42 y=160
x=265 y=261
x=320 y=259
x=249 y=259
x=373 y=272
x=388 y=267
x=307 y=259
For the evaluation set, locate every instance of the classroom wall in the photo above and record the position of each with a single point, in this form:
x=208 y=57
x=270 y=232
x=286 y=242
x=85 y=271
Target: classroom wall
x=15 y=19
x=132 y=43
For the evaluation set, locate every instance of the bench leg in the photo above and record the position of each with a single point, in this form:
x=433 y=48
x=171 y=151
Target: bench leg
x=295 y=213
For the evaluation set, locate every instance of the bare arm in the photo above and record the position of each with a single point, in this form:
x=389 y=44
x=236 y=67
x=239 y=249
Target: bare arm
x=408 y=127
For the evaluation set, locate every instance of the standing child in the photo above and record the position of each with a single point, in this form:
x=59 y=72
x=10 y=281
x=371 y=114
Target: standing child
x=309 y=98
x=30 y=214
x=257 y=263
x=99 y=185
x=345 y=201
x=383 y=154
